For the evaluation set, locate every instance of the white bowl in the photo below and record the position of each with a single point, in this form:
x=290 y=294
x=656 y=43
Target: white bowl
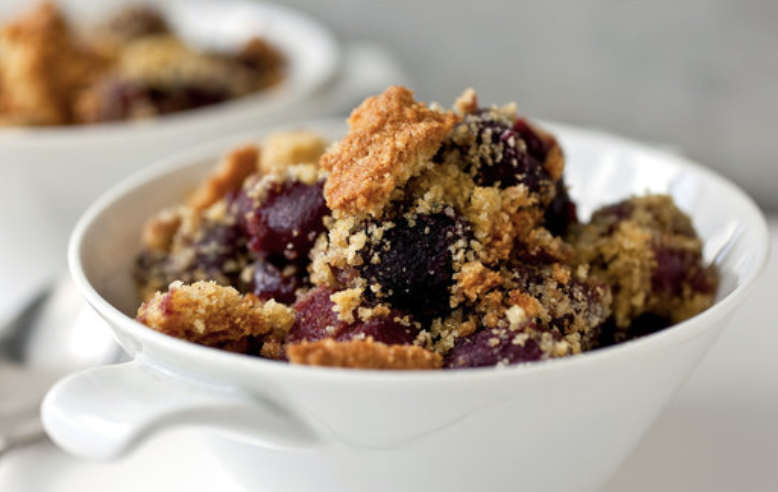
x=66 y=168
x=563 y=425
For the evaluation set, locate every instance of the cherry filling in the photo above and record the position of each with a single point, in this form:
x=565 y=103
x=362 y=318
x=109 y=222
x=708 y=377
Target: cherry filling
x=412 y=264
x=678 y=267
x=281 y=229
x=561 y=212
x=490 y=347
x=271 y=282
x=316 y=319
x=288 y=220
x=120 y=99
x=516 y=155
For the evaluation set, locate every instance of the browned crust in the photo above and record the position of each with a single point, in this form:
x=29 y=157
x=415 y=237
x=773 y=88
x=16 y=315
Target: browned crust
x=555 y=162
x=531 y=306
x=159 y=230
x=362 y=354
x=467 y=102
x=622 y=253
x=474 y=280
x=499 y=218
x=53 y=73
x=391 y=138
x=284 y=149
x=42 y=68
x=226 y=177
x=263 y=55
x=213 y=315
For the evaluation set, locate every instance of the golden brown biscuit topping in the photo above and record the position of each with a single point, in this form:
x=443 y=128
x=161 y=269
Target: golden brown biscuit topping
x=362 y=354
x=229 y=176
x=213 y=315
x=391 y=139
x=42 y=66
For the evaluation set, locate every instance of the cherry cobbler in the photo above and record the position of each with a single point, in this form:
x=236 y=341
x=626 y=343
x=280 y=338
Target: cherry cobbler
x=132 y=66
x=424 y=239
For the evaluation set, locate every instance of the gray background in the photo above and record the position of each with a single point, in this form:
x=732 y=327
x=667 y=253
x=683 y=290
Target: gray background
x=701 y=77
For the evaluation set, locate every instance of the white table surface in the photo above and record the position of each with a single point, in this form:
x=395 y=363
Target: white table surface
x=720 y=433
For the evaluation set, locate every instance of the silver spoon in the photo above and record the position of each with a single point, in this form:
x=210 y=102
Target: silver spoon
x=55 y=335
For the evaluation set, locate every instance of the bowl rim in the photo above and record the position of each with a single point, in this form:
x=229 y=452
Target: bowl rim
x=269 y=100
x=677 y=334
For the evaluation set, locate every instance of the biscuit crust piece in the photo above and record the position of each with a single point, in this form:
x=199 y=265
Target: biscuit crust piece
x=391 y=139
x=362 y=354
x=228 y=176
x=213 y=315
x=283 y=149
x=42 y=68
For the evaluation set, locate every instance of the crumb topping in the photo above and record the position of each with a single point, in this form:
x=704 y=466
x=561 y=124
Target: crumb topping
x=449 y=241
x=42 y=66
x=466 y=103
x=228 y=176
x=346 y=302
x=213 y=315
x=391 y=139
x=362 y=354
x=284 y=149
x=133 y=66
x=646 y=249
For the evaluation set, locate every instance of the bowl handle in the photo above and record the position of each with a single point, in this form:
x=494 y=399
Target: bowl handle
x=104 y=412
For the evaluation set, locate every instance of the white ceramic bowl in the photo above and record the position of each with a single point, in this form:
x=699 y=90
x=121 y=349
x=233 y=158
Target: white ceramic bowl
x=66 y=168
x=564 y=425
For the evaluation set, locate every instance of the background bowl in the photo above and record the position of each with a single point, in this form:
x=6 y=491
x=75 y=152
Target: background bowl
x=362 y=430
x=48 y=176
x=68 y=167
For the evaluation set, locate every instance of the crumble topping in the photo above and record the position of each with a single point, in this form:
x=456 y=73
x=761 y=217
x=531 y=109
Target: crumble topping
x=392 y=138
x=228 y=176
x=644 y=248
x=362 y=354
x=207 y=237
x=454 y=244
x=42 y=65
x=133 y=66
x=287 y=148
x=213 y=315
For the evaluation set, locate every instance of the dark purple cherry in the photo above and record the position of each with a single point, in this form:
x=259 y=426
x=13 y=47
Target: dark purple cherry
x=271 y=282
x=316 y=320
x=288 y=220
x=516 y=156
x=489 y=347
x=536 y=147
x=116 y=100
x=174 y=99
x=678 y=267
x=561 y=212
x=415 y=263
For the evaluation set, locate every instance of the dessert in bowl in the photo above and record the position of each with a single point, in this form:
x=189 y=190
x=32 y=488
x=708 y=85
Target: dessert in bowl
x=387 y=430
x=184 y=76
x=132 y=66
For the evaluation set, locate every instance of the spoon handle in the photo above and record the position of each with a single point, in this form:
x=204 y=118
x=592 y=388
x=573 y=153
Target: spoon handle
x=24 y=433
x=23 y=389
